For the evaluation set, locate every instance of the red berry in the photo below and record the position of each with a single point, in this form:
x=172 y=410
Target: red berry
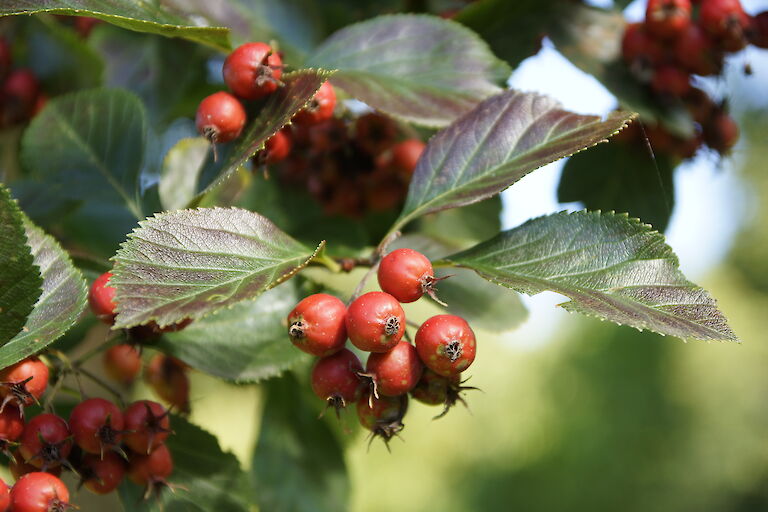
x=220 y=117
x=20 y=92
x=406 y=154
x=277 y=148
x=39 y=492
x=102 y=475
x=316 y=325
x=253 y=71
x=101 y=299
x=696 y=52
x=11 y=424
x=23 y=383
x=84 y=25
x=641 y=51
x=758 y=30
x=6 y=58
x=667 y=18
x=320 y=107
x=375 y=322
x=446 y=344
x=395 y=372
x=375 y=132
x=167 y=376
x=724 y=19
x=383 y=416
x=721 y=133
x=336 y=379
x=97 y=425
x=5 y=496
x=670 y=81
x=122 y=363
x=406 y=275
x=147 y=424
x=46 y=441
x=150 y=469
x=434 y=389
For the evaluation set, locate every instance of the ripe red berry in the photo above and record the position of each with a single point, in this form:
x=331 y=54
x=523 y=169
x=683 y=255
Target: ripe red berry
x=39 y=492
x=316 y=325
x=758 y=30
x=97 y=425
x=446 y=344
x=101 y=299
x=147 y=424
x=320 y=107
x=670 y=81
x=721 y=133
x=20 y=92
x=277 y=148
x=696 y=52
x=147 y=470
x=167 y=376
x=406 y=275
x=723 y=18
x=397 y=371
x=46 y=441
x=383 y=416
x=11 y=425
x=434 y=389
x=253 y=71
x=336 y=379
x=375 y=132
x=406 y=154
x=122 y=363
x=102 y=475
x=23 y=383
x=667 y=18
x=220 y=117
x=375 y=322
x=640 y=50
x=5 y=496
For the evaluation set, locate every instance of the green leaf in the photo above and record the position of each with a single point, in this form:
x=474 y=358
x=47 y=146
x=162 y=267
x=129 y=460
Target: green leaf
x=180 y=172
x=500 y=141
x=58 y=308
x=206 y=477
x=465 y=226
x=621 y=177
x=89 y=144
x=20 y=280
x=609 y=265
x=298 y=465
x=419 y=68
x=245 y=343
x=300 y=87
x=188 y=263
x=138 y=16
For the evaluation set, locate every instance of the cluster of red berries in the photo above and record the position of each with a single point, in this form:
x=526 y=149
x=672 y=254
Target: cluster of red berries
x=430 y=369
x=681 y=38
x=20 y=94
x=100 y=443
x=166 y=375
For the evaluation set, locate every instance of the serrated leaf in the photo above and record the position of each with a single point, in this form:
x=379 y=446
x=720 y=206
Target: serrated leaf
x=89 y=144
x=419 y=68
x=609 y=265
x=298 y=465
x=20 y=279
x=181 y=169
x=278 y=110
x=500 y=141
x=138 y=16
x=188 y=263
x=245 y=343
x=205 y=477
x=58 y=308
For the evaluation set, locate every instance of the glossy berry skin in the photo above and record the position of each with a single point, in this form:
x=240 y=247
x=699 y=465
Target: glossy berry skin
x=335 y=378
x=670 y=81
x=167 y=376
x=406 y=154
x=385 y=412
x=46 y=441
x=317 y=324
x=278 y=147
x=722 y=18
x=397 y=371
x=102 y=475
x=405 y=274
x=147 y=424
x=24 y=382
x=122 y=363
x=434 y=389
x=39 y=492
x=446 y=344
x=11 y=423
x=101 y=299
x=667 y=18
x=220 y=117
x=696 y=52
x=253 y=71
x=320 y=107
x=375 y=322
x=96 y=425
x=149 y=469
x=5 y=496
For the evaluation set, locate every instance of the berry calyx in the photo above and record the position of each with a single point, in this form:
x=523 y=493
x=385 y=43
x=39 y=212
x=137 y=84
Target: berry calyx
x=406 y=275
x=23 y=383
x=220 y=117
x=395 y=372
x=39 y=492
x=667 y=18
x=434 y=389
x=383 y=415
x=97 y=426
x=147 y=425
x=122 y=363
x=446 y=344
x=101 y=299
x=375 y=322
x=167 y=376
x=46 y=441
x=335 y=379
x=102 y=475
x=253 y=71
x=320 y=107
x=317 y=324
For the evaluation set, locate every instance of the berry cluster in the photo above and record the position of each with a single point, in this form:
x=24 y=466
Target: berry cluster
x=100 y=443
x=20 y=93
x=681 y=38
x=430 y=369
